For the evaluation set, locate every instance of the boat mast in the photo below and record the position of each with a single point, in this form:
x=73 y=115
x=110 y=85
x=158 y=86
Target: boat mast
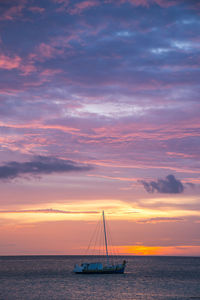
x=104 y=226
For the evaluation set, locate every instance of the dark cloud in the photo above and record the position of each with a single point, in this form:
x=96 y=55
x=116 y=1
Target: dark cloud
x=40 y=165
x=170 y=185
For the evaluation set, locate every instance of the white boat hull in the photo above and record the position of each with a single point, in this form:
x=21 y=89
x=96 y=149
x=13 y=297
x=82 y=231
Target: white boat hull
x=98 y=268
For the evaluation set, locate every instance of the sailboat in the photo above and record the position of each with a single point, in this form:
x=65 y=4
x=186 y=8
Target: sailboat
x=99 y=267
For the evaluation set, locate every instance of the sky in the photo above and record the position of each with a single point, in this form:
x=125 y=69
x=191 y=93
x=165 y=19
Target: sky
x=99 y=110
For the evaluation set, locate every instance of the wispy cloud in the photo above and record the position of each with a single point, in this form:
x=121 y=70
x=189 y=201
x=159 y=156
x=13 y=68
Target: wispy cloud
x=40 y=165
x=160 y=219
x=46 y=211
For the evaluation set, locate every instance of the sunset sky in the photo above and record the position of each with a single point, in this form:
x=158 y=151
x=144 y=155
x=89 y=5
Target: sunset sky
x=99 y=109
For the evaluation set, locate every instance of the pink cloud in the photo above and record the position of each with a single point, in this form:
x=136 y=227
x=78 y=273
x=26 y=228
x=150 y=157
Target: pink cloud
x=9 y=91
x=50 y=72
x=36 y=9
x=27 y=68
x=79 y=7
x=164 y=3
x=45 y=51
x=55 y=47
x=15 y=62
x=9 y=63
x=38 y=125
x=127 y=179
x=147 y=3
x=65 y=2
x=136 y=2
x=14 y=11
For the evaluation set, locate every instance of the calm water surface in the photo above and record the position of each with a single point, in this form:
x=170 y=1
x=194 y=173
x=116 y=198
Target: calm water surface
x=51 y=277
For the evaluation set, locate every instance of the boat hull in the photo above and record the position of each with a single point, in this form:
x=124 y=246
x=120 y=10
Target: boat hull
x=102 y=272
x=97 y=268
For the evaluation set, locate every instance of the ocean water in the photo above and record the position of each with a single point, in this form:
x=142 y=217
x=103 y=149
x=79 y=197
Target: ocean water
x=51 y=277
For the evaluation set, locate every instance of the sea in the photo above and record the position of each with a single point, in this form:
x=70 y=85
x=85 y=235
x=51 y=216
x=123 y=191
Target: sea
x=145 y=277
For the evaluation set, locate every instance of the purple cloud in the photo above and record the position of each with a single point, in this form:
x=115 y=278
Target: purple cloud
x=40 y=165
x=170 y=185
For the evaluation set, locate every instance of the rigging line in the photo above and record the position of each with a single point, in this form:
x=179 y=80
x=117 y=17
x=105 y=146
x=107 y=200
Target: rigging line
x=105 y=236
x=110 y=242
x=91 y=239
x=115 y=250
x=99 y=246
x=93 y=245
x=98 y=238
x=112 y=248
x=102 y=240
x=95 y=241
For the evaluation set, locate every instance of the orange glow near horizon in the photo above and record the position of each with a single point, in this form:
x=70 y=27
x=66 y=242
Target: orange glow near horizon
x=65 y=227
x=159 y=250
